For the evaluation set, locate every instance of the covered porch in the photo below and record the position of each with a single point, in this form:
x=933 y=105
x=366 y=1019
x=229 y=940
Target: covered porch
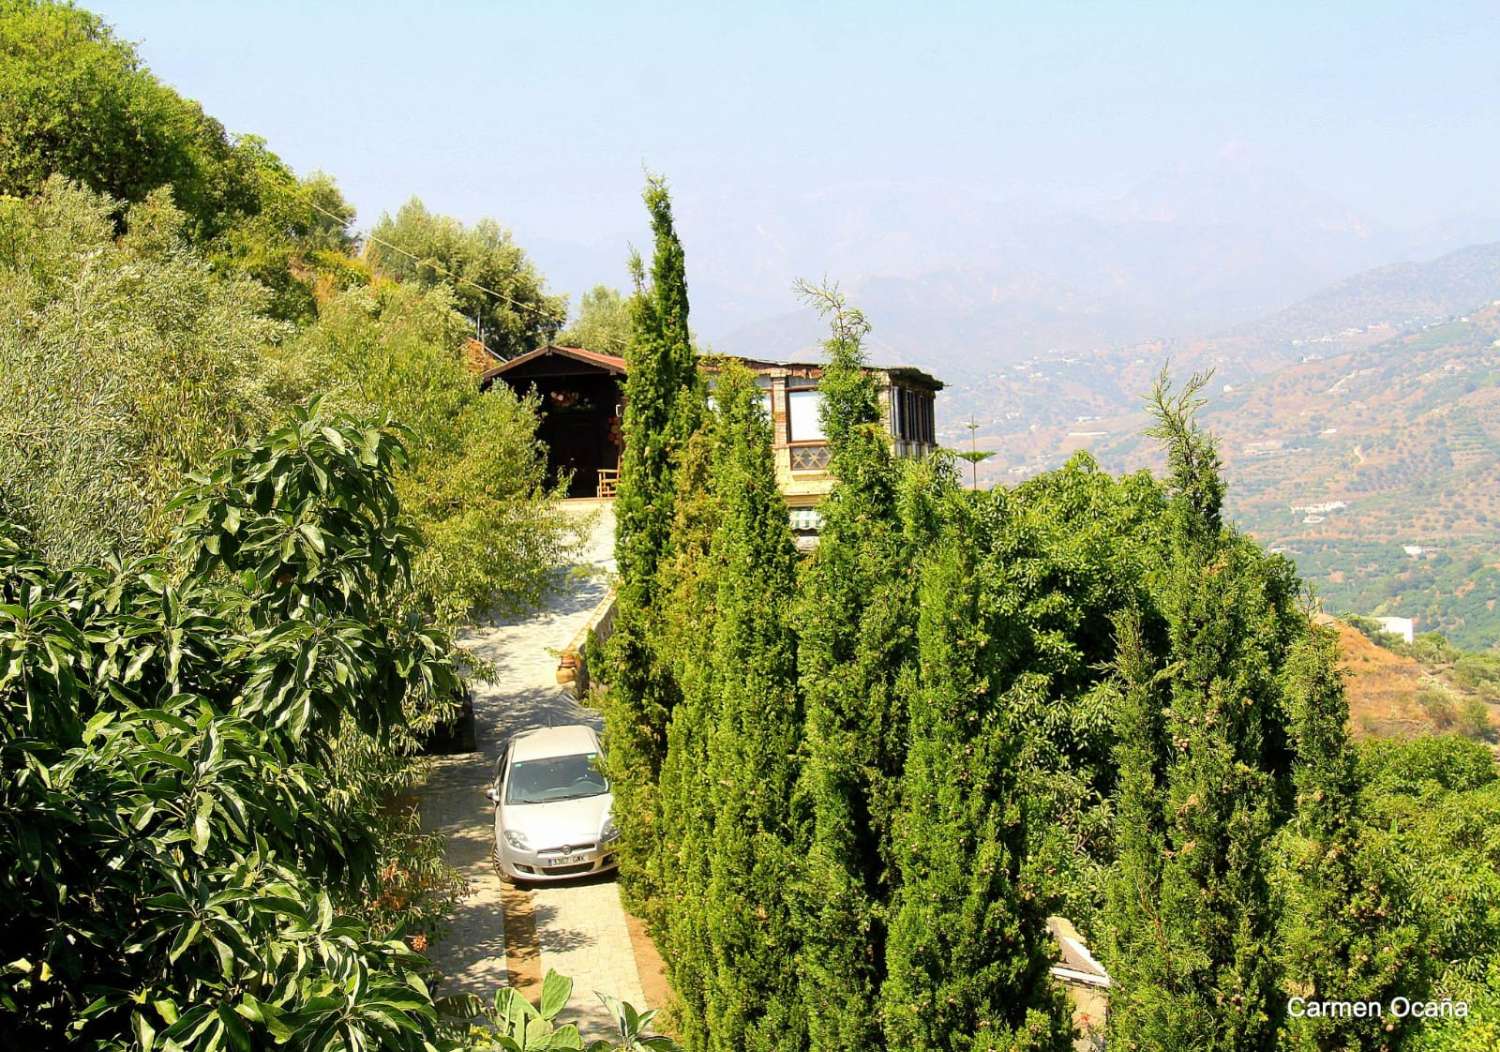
x=582 y=397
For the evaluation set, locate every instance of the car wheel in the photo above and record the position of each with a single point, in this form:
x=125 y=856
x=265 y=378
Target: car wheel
x=505 y=878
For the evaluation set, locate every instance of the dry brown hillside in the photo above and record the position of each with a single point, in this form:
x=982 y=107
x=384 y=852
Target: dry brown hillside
x=1383 y=689
x=1393 y=695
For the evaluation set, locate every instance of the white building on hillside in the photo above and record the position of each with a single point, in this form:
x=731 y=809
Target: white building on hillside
x=1398 y=626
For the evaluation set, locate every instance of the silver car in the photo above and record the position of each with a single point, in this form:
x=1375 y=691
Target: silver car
x=552 y=806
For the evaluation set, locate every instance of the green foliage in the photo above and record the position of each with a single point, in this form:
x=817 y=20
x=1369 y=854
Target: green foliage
x=1432 y=805
x=1193 y=463
x=125 y=363
x=966 y=961
x=491 y=281
x=677 y=860
x=1474 y=720
x=663 y=402
x=522 y=1027
x=177 y=862
x=297 y=242
x=514 y=1024
x=1392 y=768
x=850 y=406
x=664 y=405
x=204 y=718
x=630 y=1030
x=1136 y=949
x=1206 y=975
x=1077 y=548
x=1347 y=931
x=135 y=360
x=603 y=322
x=75 y=100
x=752 y=743
x=475 y=486
x=857 y=655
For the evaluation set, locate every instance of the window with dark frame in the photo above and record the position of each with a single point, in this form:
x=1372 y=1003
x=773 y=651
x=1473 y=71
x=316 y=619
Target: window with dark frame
x=803 y=410
x=912 y=415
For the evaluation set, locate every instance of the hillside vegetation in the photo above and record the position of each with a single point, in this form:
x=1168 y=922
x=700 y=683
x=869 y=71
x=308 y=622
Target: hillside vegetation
x=850 y=792
x=250 y=488
x=1368 y=458
x=248 y=485
x=1424 y=687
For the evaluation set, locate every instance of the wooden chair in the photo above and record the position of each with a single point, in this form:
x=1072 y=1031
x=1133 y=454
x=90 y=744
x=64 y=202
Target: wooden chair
x=609 y=478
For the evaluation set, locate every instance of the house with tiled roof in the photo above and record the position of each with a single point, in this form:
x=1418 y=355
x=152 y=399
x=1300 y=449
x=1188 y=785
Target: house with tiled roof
x=582 y=396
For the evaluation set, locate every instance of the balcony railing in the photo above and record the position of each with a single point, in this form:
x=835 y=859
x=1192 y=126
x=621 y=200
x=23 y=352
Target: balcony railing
x=809 y=458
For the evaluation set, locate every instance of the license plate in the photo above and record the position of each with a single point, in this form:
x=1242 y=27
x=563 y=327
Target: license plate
x=568 y=860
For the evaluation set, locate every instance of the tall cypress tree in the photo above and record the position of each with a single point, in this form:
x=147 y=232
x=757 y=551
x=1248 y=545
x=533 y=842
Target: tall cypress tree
x=1345 y=935
x=967 y=958
x=663 y=392
x=1224 y=772
x=857 y=658
x=752 y=744
x=1139 y=956
x=663 y=407
x=680 y=869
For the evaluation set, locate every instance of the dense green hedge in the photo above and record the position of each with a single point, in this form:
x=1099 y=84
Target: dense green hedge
x=1085 y=694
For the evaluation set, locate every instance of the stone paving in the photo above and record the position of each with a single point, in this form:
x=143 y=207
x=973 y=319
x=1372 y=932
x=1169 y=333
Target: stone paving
x=581 y=927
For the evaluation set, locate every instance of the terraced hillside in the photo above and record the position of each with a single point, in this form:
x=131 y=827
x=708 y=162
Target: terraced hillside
x=1376 y=469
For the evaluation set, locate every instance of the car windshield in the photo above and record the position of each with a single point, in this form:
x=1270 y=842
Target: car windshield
x=555 y=778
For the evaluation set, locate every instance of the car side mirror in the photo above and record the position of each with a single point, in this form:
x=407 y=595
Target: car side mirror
x=492 y=795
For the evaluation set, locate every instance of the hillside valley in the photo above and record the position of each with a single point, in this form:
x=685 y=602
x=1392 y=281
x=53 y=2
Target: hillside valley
x=1367 y=453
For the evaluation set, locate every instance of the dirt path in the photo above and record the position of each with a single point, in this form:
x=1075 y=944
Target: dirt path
x=579 y=929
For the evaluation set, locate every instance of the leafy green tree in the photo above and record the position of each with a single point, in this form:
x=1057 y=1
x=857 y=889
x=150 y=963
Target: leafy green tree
x=125 y=363
x=1079 y=549
x=475 y=484
x=1212 y=980
x=297 y=242
x=752 y=744
x=857 y=651
x=603 y=322
x=516 y=1025
x=1347 y=929
x=492 y=282
x=176 y=862
x=664 y=406
x=966 y=960
x=1431 y=805
x=75 y=100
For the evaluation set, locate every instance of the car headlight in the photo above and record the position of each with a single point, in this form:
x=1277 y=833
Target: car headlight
x=517 y=840
x=609 y=832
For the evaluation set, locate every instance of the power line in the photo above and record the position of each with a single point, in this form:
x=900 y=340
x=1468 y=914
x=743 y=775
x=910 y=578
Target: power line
x=514 y=304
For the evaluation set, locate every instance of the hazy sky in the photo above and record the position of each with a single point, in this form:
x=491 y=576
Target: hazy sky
x=542 y=115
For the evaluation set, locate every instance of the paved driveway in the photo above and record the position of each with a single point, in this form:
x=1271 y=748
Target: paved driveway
x=580 y=927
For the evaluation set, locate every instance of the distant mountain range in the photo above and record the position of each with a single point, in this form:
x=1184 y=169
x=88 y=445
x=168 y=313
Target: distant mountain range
x=1399 y=296
x=1061 y=389
x=1360 y=431
x=960 y=279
